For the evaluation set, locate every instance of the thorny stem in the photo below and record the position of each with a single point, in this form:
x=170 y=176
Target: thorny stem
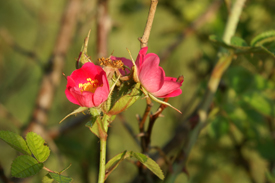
x=141 y=124
x=103 y=142
x=144 y=39
x=102 y=160
x=153 y=118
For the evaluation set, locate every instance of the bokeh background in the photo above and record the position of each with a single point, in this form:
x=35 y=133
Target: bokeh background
x=237 y=145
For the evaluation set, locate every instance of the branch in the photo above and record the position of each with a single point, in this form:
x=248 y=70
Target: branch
x=51 y=79
x=68 y=125
x=144 y=39
x=152 y=121
x=141 y=125
x=103 y=28
x=16 y=47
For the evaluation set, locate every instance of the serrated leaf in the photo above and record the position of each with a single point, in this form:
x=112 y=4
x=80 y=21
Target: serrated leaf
x=114 y=162
x=126 y=101
x=15 y=141
x=149 y=163
x=78 y=110
x=263 y=38
x=47 y=179
x=36 y=144
x=25 y=166
x=60 y=178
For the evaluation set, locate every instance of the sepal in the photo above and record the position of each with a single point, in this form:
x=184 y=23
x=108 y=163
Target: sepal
x=78 y=110
x=125 y=101
x=83 y=57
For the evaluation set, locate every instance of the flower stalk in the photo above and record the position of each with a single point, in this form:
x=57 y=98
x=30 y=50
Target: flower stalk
x=103 y=148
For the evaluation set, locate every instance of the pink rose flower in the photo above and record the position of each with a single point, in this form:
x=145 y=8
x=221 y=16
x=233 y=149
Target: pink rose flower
x=152 y=76
x=87 y=86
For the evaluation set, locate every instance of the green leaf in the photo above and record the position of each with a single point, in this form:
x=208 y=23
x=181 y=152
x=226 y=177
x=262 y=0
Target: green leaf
x=15 y=141
x=96 y=125
x=263 y=38
x=114 y=162
x=238 y=42
x=36 y=144
x=126 y=101
x=149 y=163
x=60 y=178
x=78 y=110
x=146 y=161
x=25 y=166
x=47 y=179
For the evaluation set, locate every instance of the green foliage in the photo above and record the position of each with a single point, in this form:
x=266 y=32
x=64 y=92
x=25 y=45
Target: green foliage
x=145 y=160
x=263 y=38
x=25 y=166
x=47 y=179
x=60 y=178
x=15 y=141
x=94 y=125
x=125 y=101
x=37 y=146
x=149 y=163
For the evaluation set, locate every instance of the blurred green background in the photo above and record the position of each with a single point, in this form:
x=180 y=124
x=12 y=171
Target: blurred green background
x=237 y=145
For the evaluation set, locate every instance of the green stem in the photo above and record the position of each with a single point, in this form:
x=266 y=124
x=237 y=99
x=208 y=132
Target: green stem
x=103 y=141
x=233 y=20
x=102 y=162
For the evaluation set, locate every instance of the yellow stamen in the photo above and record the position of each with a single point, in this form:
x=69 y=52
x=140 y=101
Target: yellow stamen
x=90 y=86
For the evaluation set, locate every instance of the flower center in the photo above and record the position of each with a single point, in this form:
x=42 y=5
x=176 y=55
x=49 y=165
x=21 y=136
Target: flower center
x=90 y=86
x=117 y=64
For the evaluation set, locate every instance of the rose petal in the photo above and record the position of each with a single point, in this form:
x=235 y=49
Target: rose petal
x=169 y=86
x=151 y=74
x=141 y=57
x=70 y=84
x=84 y=98
x=175 y=93
x=101 y=93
